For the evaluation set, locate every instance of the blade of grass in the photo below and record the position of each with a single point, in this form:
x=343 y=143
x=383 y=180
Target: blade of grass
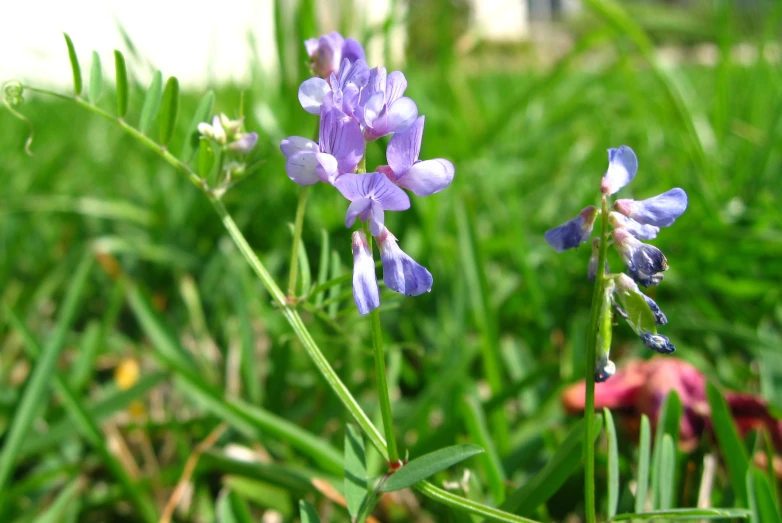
x=88 y=428
x=613 y=464
x=644 y=451
x=733 y=452
x=37 y=386
x=475 y=420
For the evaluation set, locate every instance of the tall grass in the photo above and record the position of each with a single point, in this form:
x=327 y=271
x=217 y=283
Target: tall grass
x=528 y=144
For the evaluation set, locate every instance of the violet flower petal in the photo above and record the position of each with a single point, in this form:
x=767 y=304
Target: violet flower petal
x=396 y=84
x=302 y=168
x=622 y=166
x=360 y=208
x=639 y=230
x=374 y=186
x=244 y=144
x=352 y=50
x=405 y=147
x=365 y=290
x=311 y=94
x=294 y=144
x=574 y=232
x=428 y=177
x=401 y=273
x=659 y=211
x=340 y=136
x=401 y=115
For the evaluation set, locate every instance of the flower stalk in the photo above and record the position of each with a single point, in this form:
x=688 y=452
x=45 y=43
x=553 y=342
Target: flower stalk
x=589 y=408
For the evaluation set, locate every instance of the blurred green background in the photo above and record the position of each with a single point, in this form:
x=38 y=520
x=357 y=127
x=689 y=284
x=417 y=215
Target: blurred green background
x=694 y=88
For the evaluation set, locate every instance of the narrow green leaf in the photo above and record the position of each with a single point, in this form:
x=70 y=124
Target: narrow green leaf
x=428 y=465
x=201 y=114
x=683 y=514
x=355 y=470
x=667 y=473
x=733 y=452
x=121 y=77
x=644 y=452
x=475 y=420
x=206 y=161
x=559 y=468
x=87 y=427
x=639 y=315
x=613 y=464
x=151 y=102
x=667 y=423
x=761 y=499
x=304 y=269
x=96 y=79
x=170 y=109
x=37 y=385
x=323 y=266
x=74 y=65
x=307 y=512
x=54 y=512
x=232 y=508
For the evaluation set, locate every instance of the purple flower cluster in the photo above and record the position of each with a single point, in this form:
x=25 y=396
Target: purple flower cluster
x=631 y=221
x=357 y=105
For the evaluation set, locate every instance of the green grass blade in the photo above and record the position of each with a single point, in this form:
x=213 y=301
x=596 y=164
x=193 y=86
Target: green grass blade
x=121 y=78
x=733 y=451
x=201 y=114
x=37 y=386
x=96 y=79
x=75 y=69
x=613 y=464
x=151 y=104
x=307 y=512
x=667 y=473
x=356 y=480
x=323 y=266
x=761 y=499
x=565 y=462
x=427 y=465
x=644 y=451
x=88 y=428
x=684 y=514
x=667 y=423
x=54 y=513
x=170 y=109
x=475 y=420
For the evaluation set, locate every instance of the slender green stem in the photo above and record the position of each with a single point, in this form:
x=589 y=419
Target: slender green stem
x=589 y=407
x=297 y=230
x=295 y=321
x=382 y=381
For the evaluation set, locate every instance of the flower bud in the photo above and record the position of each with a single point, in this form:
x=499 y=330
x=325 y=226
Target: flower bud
x=644 y=262
x=244 y=143
x=365 y=291
x=657 y=343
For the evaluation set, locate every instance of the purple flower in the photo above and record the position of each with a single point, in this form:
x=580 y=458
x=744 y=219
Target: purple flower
x=382 y=109
x=645 y=263
x=622 y=166
x=401 y=273
x=370 y=195
x=573 y=233
x=659 y=211
x=342 y=90
x=406 y=170
x=339 y=149
x=365 y=291
x=327 y=52
x=244 y=143
x=639 y=230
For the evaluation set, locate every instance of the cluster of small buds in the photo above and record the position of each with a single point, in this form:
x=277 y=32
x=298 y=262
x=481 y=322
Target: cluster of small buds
x=228 y=134
x=357 y=105
x=631 y=221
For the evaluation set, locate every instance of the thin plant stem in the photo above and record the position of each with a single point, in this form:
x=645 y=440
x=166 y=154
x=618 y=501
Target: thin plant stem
x=382 y=380
x=298 y=225
x=589 y=408
x=295 y=321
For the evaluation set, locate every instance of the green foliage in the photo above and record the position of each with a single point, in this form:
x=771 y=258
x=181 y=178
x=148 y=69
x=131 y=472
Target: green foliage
x=96 y=79
x=121 y=79
x=428 y=465
x=506 y=313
